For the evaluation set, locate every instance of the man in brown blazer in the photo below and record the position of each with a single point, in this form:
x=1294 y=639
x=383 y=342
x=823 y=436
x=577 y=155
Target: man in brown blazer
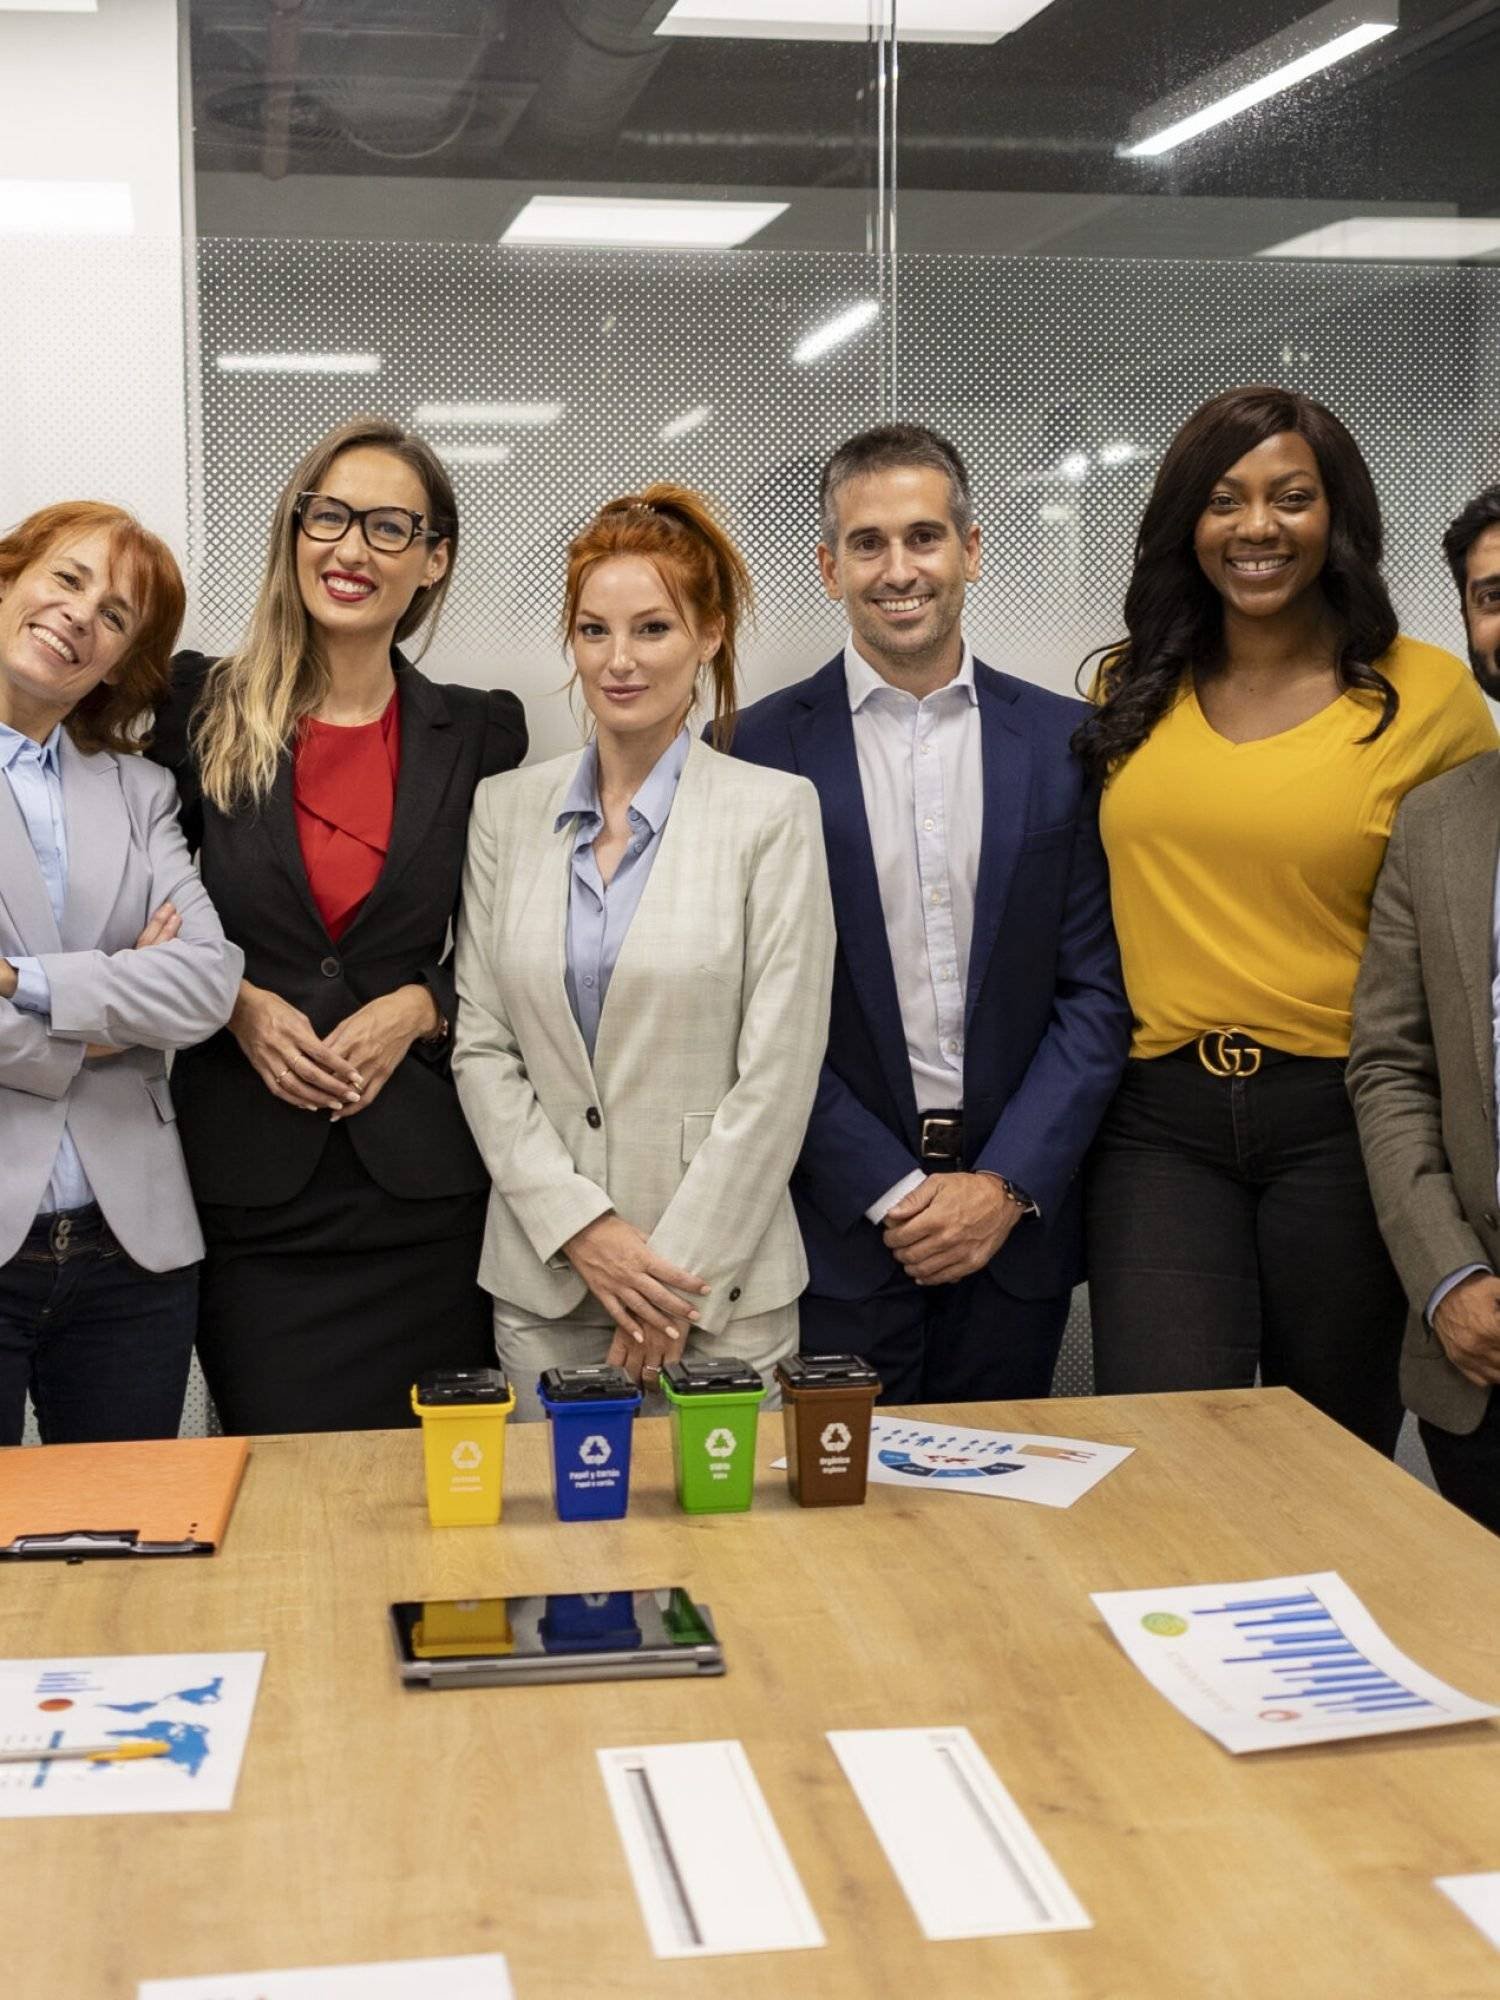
x=1425 y=1063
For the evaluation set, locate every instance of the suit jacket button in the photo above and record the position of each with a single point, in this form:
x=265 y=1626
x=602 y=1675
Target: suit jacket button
x=734 y=1294
x=592 y=1116
x=330 y=968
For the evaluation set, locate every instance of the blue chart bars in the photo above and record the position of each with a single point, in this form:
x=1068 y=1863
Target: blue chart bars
x=1299 y=1640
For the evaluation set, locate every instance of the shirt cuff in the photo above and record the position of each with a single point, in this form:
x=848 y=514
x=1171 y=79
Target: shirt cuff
x=33 y=989
x=1439 y=1292
x=879 y=1210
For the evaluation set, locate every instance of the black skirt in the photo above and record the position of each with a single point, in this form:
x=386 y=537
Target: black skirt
x=318 y=1314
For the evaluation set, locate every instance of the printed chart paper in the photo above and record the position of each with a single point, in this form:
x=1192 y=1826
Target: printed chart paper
x=1279 y=1662
x=198 y=1704
x=1001 y=1465
x=479 y=1978
x=960 y=1846
x=1478 y=1896
x=709 y=1865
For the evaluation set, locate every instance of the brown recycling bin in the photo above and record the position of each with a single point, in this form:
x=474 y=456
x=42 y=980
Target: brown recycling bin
x=827 y=1401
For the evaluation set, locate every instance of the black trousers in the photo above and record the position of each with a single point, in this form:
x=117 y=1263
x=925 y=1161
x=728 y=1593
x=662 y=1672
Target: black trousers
x=318 y=1314
x=1467 y=1467
x=963 y=1343
x=1230 y=1229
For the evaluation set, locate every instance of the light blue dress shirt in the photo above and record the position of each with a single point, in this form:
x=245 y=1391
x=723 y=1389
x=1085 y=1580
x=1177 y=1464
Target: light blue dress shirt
x=34 y=772
x=598 y=917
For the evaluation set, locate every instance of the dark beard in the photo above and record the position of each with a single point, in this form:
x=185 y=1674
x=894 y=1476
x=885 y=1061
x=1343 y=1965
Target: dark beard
x=1486 y=670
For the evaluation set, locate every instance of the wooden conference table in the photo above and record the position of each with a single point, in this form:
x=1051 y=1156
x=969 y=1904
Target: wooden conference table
x=375 y=1823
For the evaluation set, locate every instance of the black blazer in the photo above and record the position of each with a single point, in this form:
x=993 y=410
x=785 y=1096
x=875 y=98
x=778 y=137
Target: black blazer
x=243 y=1145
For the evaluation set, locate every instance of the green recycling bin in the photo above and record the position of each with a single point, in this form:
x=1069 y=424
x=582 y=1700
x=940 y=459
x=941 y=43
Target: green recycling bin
x=714 y=1406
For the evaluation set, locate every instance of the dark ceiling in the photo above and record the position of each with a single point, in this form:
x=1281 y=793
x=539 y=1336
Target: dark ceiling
x=583 y=90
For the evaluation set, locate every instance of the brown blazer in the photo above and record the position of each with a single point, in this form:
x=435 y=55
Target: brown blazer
x=1422 y=1063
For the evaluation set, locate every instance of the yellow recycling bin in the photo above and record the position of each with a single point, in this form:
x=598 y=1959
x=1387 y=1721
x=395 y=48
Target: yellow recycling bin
x=463 y=1412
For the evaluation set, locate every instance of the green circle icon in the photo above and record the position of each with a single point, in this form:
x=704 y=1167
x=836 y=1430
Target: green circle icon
x=1165 y=1624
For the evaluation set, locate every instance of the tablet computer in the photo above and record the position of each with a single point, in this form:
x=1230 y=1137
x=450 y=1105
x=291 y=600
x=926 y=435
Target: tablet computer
x=565 y=1636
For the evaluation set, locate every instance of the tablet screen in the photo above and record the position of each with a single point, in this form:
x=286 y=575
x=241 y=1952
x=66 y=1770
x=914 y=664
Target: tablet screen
x=567 y=1623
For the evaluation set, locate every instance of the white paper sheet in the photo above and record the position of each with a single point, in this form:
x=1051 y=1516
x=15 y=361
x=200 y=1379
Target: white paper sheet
x=709 y=1866
x=1278 y=1662
x=967 y=1860
x=1000 y=1465
x=478 y=1978
x=198 y=1704
x=1478 y=1896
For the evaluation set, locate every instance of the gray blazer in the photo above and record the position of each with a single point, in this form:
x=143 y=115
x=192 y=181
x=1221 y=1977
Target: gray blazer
x=126 y=855
x=689 y=1120
x=1422 y=1063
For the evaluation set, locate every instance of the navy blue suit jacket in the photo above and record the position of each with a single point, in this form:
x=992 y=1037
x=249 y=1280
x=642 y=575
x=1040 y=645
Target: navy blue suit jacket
x=1047 y=1024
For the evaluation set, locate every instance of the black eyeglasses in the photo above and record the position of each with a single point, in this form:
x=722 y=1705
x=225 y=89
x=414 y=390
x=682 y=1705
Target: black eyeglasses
x=388 y=530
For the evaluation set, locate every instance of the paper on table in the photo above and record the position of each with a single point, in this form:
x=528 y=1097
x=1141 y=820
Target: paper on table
x=1001 y=1465
x=1278 y=1662
x=1478 y=1896
x=709 y=1865
x=198 y=1704
x=960 y=1846
x=477 y=1978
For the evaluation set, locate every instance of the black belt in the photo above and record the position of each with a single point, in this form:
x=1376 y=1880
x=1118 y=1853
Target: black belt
x=940 y=1137
x=70 y=1232
x=1232 y=1054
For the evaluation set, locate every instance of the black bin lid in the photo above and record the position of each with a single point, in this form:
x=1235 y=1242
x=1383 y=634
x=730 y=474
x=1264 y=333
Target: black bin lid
x=463 y=1385
x=711 y=1378
x=827 y=1371
x=586 y=1385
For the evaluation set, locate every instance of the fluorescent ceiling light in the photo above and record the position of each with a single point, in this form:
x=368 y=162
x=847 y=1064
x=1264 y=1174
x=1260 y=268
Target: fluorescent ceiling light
x=1281 y=62
x=508 y=416
x=1075 y=466
x=299 y=364
x=66 y=208
x=683 y=426
x=1120 y=453
x=850 y=20
x=837 y=331
x=1393 y=238
x=49 y=6
x=473 y=454
x=621 y=222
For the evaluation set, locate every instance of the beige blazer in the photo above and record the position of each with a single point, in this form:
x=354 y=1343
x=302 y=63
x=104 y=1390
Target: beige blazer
x=1422 y=1064
x=690 y=1118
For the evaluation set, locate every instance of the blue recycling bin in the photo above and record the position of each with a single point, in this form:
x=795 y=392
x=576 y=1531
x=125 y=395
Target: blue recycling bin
x=592 y=1412
x=577 y=1622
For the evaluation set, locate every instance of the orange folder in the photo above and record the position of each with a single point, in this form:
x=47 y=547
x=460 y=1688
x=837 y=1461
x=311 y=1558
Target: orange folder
x=154 y=1497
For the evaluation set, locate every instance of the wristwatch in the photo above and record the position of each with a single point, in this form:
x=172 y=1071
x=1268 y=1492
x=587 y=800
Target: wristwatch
x=1018 y=1195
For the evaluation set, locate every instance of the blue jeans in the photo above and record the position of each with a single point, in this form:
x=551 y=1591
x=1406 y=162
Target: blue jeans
x=102 y=1345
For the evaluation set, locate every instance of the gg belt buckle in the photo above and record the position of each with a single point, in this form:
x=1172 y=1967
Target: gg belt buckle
x=1228 y=1052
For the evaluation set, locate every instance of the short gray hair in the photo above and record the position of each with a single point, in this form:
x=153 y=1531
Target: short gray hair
x=880 y=449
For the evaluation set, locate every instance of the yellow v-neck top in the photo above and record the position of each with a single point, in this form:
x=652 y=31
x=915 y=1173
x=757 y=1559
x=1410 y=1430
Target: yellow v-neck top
x=1241 y=873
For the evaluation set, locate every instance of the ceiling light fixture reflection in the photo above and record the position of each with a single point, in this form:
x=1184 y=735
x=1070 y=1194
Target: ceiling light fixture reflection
x=825 y=338
x=683 y=426
x=1119 y=453
x=1074 y=467
x=49 y=6
x=299 y=364
x=66 y=208
x=1315 y=43
x=473 y=454
x=625 y=222
x=849 y=20
x=1054 y=513
x=1392 y=238
x=505 y=416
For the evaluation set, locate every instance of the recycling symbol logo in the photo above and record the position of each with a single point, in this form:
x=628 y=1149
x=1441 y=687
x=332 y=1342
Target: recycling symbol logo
x=720 y=1443
x=467 y=1456
x=835 y=1437
x=595 y=1450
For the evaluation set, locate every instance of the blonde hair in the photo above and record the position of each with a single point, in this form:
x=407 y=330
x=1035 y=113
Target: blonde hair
x=255 y=698
x=702 y=571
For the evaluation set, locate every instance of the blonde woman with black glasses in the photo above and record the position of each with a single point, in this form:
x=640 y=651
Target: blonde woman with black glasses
x=326 y=785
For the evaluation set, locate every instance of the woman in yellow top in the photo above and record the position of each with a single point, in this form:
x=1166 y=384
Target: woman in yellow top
x=1254 y=733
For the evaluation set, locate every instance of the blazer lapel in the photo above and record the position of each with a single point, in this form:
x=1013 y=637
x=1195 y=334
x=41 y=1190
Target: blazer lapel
x=546 y=903
x=823 y=737
x=23 y=893
x=1006 y=755
x=429 y=749
x=278 y=817
x=98 y=829
x=1471 y=854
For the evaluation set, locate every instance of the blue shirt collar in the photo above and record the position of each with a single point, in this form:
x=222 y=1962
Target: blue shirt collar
x=14 y=747
x=652 y=802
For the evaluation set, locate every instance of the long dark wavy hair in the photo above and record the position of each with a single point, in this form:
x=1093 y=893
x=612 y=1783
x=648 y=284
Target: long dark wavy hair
x=1174 y=617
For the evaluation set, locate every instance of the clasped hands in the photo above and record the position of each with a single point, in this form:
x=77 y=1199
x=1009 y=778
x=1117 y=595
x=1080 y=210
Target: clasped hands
x=950 y=1226
x=648 y=1297
x=342 y=1072
x=1467 y=1323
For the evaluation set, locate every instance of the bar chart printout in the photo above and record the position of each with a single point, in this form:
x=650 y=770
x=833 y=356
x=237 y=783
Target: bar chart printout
x=1280 y=1662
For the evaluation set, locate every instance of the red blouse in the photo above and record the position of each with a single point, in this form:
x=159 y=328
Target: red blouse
x=344 y=797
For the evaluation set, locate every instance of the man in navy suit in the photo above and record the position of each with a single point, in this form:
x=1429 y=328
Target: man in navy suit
x=979 y=1021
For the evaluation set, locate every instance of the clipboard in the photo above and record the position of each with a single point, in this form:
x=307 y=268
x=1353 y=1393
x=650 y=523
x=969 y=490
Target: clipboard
x=147 y=1497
